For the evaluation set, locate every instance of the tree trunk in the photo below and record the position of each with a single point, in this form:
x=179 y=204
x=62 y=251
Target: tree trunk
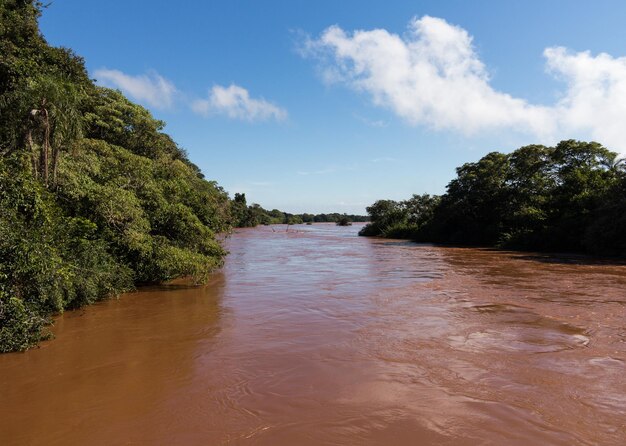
x=55 y=164
x=45 y=146
x=33 y=154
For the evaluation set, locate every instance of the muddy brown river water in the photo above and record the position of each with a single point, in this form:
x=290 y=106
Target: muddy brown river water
x=318 y=337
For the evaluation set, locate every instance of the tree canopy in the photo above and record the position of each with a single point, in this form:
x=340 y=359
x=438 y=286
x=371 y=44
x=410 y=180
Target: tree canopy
x=567 y=198
x=94 y=197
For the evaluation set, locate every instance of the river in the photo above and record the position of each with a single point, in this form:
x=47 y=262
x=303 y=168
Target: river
x=311 y=335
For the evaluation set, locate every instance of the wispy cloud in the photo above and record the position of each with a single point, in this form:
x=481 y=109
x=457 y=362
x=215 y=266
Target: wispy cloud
x=261 y=183
x=379 y=123
x=235 y=102
x=383 y=159
x=433 y=76
x=151 y=89
x=327 y=170
x=324 y=171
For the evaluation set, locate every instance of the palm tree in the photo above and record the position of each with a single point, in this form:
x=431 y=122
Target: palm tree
x=53 y=124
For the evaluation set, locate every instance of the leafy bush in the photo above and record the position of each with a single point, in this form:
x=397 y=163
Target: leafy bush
x=400 y=230
x=20 y=327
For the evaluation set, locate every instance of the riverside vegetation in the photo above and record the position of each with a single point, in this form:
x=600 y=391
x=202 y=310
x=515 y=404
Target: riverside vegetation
x=94 y=197
x=571 y=197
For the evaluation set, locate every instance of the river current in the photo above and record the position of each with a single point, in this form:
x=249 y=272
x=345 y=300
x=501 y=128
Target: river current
x=311 y=335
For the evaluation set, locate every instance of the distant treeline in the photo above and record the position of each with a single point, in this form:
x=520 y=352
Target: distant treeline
x=254 y=215
x=571 y=197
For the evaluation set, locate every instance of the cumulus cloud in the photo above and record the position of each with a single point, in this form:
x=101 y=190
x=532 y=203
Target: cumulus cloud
x=433 y=76
x=235 y=102
x=595 y=100
x=151 y=89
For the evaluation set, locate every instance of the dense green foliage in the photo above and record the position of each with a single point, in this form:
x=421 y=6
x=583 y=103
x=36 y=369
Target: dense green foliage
x=94 y=198
x=571 y=197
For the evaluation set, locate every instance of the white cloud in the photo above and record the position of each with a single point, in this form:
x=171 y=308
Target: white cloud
x=379 y=123
x=328 y=170
x=151 y=89
x=595 y=101
x=433 y=76
x=261 y=183
x=235 y=102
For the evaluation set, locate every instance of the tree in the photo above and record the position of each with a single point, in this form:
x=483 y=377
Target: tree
x=582 y=175
x=420 y=209
x=94 y=197
x=54 y=123
x=529 y=185
x=475 y=205
x=384 y=214
x=344 y=221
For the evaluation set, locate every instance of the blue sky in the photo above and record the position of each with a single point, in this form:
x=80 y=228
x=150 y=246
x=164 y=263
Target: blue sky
x=329 y=105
